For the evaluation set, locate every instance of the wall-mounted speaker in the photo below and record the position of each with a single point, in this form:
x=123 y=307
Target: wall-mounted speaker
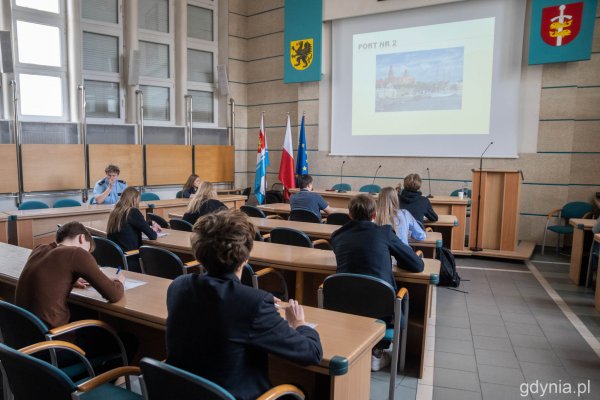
x=133 y=68
x=7 y=65
x=222 y=81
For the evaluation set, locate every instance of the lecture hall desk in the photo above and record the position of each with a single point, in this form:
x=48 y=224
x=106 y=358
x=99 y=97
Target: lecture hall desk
x=578 y=268
x=443 y=205
x=3 y=228
x=178 y=206
x=597 y=295
x=28 y=228
x=344 y=373
x=311 y=266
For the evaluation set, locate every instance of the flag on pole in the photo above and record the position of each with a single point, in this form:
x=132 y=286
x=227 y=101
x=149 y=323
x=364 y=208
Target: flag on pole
x=262 y=129
x=262 y=160
x=286 y=168
x=301 y=159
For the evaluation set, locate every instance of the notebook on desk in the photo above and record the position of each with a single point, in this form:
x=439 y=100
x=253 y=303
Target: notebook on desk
x=158 y=235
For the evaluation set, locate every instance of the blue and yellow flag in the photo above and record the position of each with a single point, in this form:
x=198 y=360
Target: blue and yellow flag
x=302 y=159
x=561 y=31
x=302 y=40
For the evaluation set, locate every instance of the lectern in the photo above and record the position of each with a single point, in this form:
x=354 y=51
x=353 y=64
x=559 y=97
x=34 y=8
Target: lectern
x=495 y=218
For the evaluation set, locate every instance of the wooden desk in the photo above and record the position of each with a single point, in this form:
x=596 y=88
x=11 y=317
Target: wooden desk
x=597 y=295
x=3 y=228
x=230 y=191
x=28 y=228
x=347 y=339
x=311 y=266
x=178 y=206
x=578 y=268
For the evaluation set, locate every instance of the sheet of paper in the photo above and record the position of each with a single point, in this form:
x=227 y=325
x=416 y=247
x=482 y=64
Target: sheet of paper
x=129 y=284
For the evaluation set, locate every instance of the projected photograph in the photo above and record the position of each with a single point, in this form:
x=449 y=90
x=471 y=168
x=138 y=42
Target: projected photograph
x=420 y=80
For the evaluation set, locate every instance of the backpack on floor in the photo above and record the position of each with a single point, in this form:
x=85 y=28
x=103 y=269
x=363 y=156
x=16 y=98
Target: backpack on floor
x=448 y=274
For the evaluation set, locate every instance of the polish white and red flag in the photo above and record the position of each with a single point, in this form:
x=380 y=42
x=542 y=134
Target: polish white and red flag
x=286 y=168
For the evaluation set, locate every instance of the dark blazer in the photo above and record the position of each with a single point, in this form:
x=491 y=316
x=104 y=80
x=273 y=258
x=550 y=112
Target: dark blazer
x=418 y=205
x=223 y=331
x=209 y=206
x=362 y=247
x=130 y=235
x=187 y=193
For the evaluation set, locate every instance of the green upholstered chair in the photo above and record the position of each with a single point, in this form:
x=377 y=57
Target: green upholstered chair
x=371 y=297
x=163 y=381
x=575 y=209
x=32 y=205
x=66 y=203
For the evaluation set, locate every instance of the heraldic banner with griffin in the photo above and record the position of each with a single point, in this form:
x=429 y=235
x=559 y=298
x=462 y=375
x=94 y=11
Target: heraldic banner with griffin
x=561 y=31
x=302 y=38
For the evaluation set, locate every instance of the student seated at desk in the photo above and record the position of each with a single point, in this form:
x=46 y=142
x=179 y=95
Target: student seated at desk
x=362 y=247
x=191 y=186
x=52 y=270
x=204 y=202
x=389 y=213
x=412 y=200
x=307 y=200
x=222 y=330
x=108 y=190
x=126 y=225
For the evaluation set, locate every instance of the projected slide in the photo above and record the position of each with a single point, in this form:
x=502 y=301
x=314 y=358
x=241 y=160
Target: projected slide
x=426 y=80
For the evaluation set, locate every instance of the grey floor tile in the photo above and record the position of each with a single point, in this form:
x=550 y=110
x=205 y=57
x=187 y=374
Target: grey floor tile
x=447 y=332
x=455 y=361
x=538 y=342
x=489 y=330
x=479 y=318
x=523 y=329
x=454 y=322
x=500 y=375
x=454 y=346
x=454 y=379
x=409 y=381
x=488 y=310
x=492 y=343
x=544 y=372
x=492 y=391
x=380 y=391
x=496 y=358
x=517 y=317
x=583 y=369
x=442 y=393
x=540 y=356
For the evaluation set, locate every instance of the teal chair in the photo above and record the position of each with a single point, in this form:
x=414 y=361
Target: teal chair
x=31 y=378
x=342 y=186
x=370 y=189
x=148 y=196
x=371 y=297
x=179 y=195
x=163 y=381
x=32 y=205
x=455 y=193
x=575 y=209
x=66 y=203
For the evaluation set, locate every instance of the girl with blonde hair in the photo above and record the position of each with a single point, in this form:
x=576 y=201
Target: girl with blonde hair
x=388 y=212
x=204 y=202
x=126 y=224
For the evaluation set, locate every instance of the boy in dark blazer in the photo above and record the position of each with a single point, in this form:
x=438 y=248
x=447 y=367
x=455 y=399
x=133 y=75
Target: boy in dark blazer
x=222 y=330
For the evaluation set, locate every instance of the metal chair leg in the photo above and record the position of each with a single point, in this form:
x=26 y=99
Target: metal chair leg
x=588 y=276
x=544 y=240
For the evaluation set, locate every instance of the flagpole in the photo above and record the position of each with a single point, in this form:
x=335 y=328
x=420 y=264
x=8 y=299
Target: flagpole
x=262 y=119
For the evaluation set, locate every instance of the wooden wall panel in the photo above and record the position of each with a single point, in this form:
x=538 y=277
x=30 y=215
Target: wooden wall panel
x=168 y=164
x=214 y=163
x=8 y=169
x=52 y=167
x=128 y=157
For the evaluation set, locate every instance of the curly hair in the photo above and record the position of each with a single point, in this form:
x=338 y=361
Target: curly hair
x=222 y=241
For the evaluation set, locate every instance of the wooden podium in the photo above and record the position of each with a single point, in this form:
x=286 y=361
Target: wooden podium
x=498 y=212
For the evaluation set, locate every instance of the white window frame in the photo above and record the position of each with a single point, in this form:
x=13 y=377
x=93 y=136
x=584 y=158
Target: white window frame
x=146 y=35
x=50 y=19
x=109 y=29
x=210 y=46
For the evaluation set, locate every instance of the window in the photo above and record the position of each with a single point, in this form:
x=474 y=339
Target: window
x=101 y=43
x=40 y=58
x=201 y=61
x=156 y=46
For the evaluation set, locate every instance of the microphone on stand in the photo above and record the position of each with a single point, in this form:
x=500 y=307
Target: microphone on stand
x=373 y=183
x=342 y=177
x=476 y=247
x=429 y=196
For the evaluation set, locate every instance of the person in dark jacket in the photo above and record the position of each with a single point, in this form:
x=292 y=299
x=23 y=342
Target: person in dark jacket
x=362 y=247
x=412 y=200
x=191 y=186
x=222 y=330
x=126 y=225
x=204 y=202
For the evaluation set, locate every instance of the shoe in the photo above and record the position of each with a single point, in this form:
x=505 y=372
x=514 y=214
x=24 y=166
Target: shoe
x=379 y=360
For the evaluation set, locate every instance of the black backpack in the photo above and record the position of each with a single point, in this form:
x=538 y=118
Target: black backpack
x=448 y=274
